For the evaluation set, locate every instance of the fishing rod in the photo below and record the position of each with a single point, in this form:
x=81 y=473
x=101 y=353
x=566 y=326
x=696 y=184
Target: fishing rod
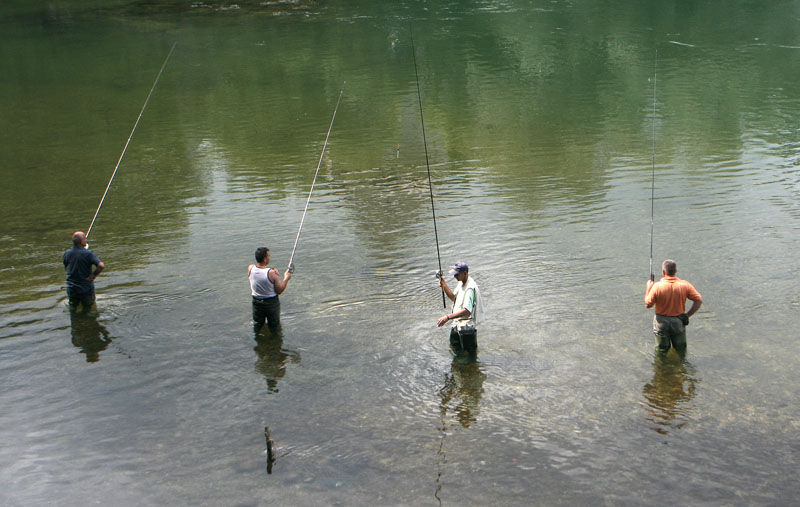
x=303 y=219
x=653 y=184
x=102 y=199
x=425 y=143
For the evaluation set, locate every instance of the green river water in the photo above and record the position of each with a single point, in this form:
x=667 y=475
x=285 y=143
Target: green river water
x=544 y=126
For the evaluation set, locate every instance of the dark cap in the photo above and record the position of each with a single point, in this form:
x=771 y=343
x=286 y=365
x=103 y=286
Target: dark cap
x=459 y=267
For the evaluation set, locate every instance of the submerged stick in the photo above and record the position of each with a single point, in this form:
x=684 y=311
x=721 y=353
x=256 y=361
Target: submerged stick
x=270 y=450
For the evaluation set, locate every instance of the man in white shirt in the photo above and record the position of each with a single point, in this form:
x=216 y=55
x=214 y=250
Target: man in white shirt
x=466 y=308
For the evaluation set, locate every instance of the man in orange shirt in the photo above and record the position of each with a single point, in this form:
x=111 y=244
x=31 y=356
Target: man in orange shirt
x=669 y=296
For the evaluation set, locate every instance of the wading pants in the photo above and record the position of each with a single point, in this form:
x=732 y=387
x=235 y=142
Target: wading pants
x=266 y=309
x=86 y=300
x=468 y=340
x=669 y=331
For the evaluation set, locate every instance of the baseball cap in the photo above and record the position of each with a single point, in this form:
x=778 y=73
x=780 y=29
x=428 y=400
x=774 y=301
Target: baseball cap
x=459 y=267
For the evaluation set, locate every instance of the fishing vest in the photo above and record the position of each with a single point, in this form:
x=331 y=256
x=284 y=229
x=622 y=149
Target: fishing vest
x=461 y=297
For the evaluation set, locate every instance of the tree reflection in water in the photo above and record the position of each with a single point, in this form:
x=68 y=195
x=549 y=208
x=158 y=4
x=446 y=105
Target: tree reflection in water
x=669 y=393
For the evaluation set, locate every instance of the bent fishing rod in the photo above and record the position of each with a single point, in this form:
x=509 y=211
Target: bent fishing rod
x=425 y=143
x=303 y=219
x=102 y=199
x=653 y=184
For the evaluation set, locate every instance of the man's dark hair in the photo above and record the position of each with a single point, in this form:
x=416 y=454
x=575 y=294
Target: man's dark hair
x=261 y=253
x=669 y=267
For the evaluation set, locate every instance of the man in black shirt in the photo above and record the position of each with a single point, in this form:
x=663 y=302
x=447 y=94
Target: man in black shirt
x=78 y=262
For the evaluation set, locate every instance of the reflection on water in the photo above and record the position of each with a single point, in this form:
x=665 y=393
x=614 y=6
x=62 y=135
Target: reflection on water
x=89 y=335
x=539 y=126
x=462 y=391
x=669 y=392
x=271 y=363
x=461 y=394
x=272 y=357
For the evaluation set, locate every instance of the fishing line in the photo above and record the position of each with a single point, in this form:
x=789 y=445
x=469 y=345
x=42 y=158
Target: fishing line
x=425 y=143
x=653 y=184
x=303 y=219
x=102 y=199
x=441 y=453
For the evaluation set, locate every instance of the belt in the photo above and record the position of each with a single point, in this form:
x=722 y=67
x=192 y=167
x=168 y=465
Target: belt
x=259 y=298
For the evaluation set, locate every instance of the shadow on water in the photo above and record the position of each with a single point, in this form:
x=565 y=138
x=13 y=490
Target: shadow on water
x=669 y=393
x=272 y=357
x=461 y=395
x=89 y=335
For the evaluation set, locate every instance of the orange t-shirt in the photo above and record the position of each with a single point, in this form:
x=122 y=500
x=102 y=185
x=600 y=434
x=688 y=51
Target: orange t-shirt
x=670 y=294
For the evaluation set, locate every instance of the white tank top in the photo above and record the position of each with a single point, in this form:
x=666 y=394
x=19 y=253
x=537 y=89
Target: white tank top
x=260 y=284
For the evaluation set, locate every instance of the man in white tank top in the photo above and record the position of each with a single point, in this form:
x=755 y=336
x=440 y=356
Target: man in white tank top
x=265 y=285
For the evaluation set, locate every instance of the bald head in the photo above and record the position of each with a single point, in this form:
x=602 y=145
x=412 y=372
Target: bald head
x=79 y=238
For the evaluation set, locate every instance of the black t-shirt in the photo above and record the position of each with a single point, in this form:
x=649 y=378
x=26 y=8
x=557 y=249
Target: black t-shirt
x=78 y=262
